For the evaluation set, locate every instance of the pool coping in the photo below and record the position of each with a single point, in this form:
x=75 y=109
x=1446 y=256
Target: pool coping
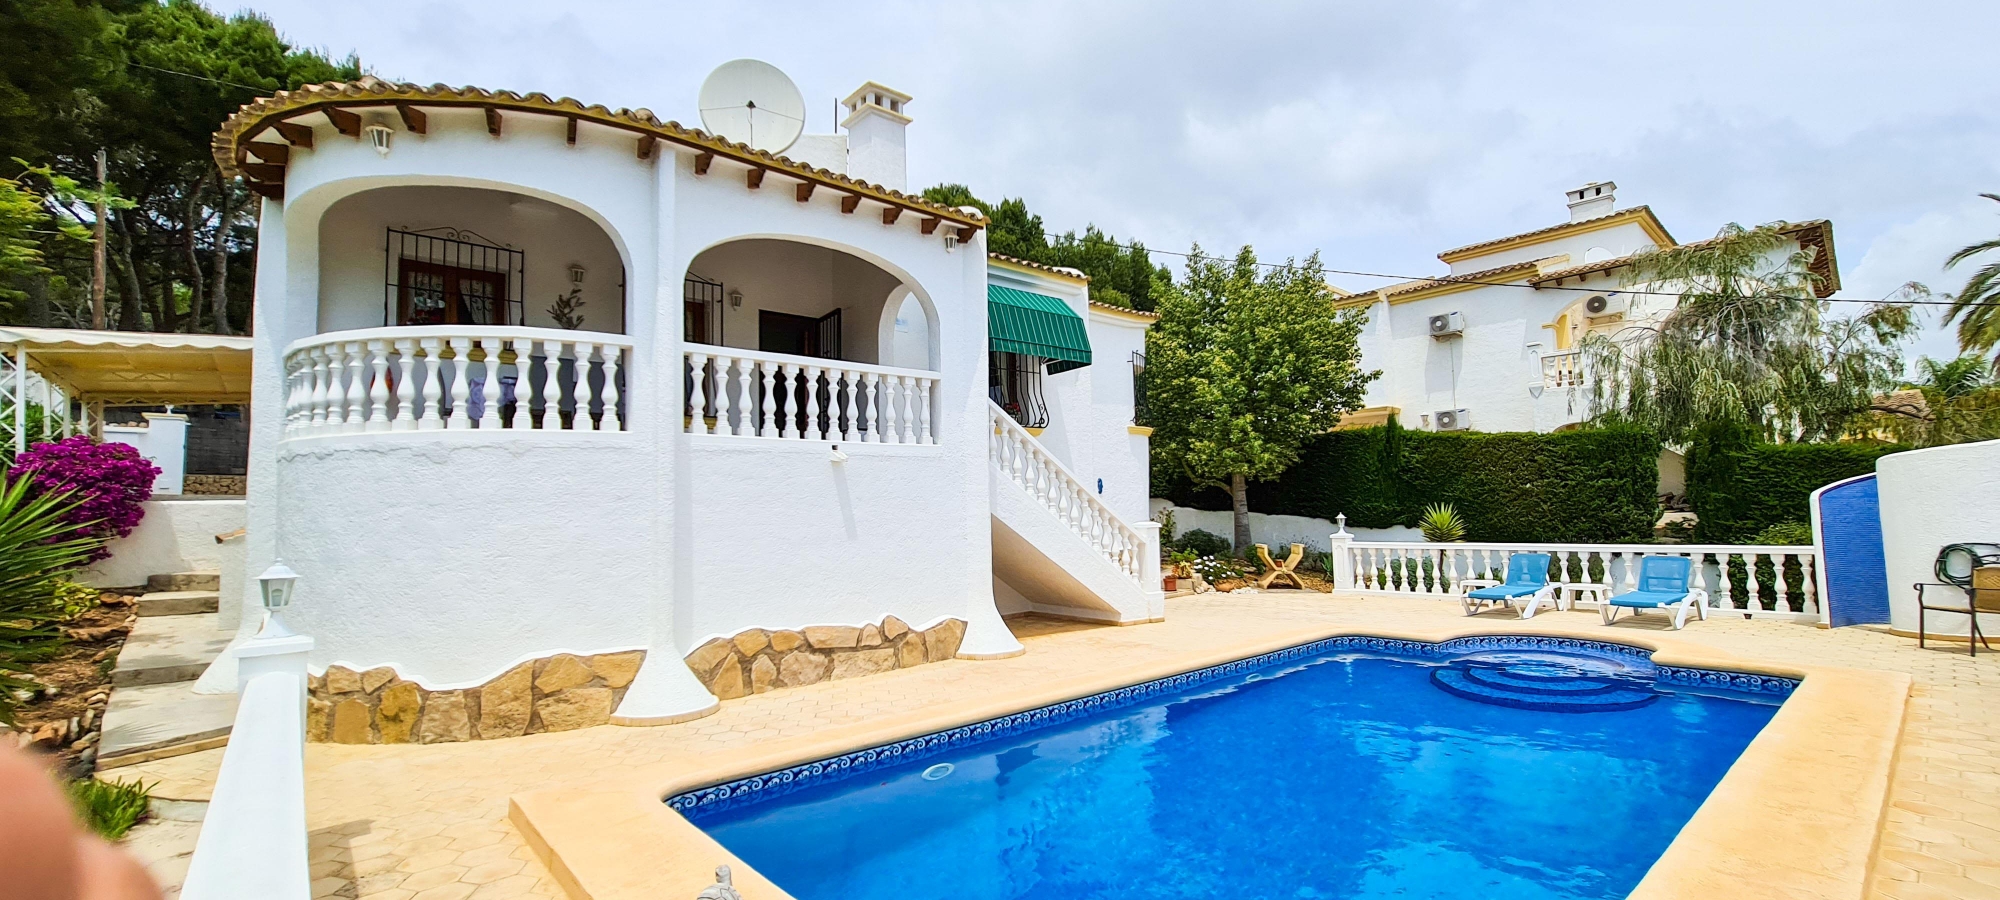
x=1798 y=814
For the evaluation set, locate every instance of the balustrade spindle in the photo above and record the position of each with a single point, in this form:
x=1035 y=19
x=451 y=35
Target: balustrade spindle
x=770 y=400
x=357 y=387
x=489 y=385
x=552 y=386
x=698 y=394
x=844 y=396
x=461 y=391
x=378 y=389
x=924 y=411
x=1752 y=598
x=430 y=392
x=583 y=420
x=745 y=424
x=788 y=397
x=406 y=386
x=867 y=418
x=328 y=408
x=524 y=383
x=813 y=430
x=612 y=420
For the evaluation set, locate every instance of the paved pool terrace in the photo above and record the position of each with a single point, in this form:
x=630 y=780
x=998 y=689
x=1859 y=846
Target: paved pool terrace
x=1844 y=807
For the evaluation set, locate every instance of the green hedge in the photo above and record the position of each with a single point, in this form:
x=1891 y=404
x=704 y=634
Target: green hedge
x=1739 y=487
x=1594 y=485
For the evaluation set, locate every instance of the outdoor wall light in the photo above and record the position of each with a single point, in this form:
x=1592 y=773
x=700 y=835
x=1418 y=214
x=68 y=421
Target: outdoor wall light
x=276 y=584
x=576 y=272
x=378 y=135
x=735 y=299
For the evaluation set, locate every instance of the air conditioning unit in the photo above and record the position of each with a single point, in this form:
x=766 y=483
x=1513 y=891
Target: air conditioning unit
x=1449 y=419
x=1444 y=325
x=1602 y=306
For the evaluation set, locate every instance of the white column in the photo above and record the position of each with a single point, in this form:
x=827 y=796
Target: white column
x=357 y=386
x=1341 y=543
x=770 y=404
x=813 y=432
x=585 y=352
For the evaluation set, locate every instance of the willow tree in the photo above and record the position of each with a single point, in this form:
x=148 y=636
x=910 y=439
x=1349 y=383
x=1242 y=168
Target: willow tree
x=1244 y=367
x=1747 y=340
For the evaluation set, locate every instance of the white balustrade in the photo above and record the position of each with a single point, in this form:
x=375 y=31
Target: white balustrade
x=454 y=378
x=781 y=397
x=1023 y=460
x=1753 y=580
x=1562 y=370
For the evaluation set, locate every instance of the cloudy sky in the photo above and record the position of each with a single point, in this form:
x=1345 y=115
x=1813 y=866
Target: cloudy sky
x=1375 y=132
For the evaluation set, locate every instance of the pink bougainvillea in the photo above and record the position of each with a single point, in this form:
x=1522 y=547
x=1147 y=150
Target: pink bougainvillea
x=111 y=480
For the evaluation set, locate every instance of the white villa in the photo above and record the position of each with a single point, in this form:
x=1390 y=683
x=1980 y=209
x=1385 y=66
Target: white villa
x=800 y=426
x=1492 y=345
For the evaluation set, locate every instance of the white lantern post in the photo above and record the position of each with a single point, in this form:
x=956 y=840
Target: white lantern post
x=276 y=584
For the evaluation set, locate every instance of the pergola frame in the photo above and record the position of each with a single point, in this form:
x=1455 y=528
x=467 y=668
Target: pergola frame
x=74 y=374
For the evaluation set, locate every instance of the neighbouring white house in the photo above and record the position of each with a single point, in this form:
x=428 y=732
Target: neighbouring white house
x=565 y=414
x=1492 y=344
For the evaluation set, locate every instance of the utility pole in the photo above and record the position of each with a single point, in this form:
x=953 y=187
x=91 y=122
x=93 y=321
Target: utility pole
x=97 y=254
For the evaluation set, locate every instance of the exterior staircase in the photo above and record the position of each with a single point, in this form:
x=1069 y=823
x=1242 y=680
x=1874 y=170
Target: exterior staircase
x=154 y=712
x=1056 y=547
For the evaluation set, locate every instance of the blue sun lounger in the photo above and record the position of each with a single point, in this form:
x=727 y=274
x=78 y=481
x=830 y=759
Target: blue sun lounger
x=1527 y=581
x=1663 y=584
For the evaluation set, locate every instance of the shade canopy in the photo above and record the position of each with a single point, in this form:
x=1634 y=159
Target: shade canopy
x=136 y=368
x=1033 y=324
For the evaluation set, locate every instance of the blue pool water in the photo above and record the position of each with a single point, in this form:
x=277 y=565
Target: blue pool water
x=1497 y=774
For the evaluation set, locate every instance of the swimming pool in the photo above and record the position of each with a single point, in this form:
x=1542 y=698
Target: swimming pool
x=1491 y=767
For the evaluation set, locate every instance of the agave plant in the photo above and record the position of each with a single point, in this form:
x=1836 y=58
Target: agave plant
x=1441 y=523
x=39 y=545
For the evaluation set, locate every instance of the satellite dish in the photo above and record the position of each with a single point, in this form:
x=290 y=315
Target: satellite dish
x=749 y=101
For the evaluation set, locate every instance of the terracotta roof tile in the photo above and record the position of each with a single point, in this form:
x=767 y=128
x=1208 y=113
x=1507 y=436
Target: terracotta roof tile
x=1629 y=213
x=1053 y=270
x=1817 y=233
x=256 y=115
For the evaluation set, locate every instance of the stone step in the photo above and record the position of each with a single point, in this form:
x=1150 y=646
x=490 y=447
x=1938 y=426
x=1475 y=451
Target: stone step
x=178 y=603
x=156 y=721
x=185 y=581
x=164 y=649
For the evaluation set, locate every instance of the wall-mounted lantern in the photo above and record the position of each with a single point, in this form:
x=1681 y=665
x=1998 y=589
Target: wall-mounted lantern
x=735 y=299
x=378 y=137
x=576 y=272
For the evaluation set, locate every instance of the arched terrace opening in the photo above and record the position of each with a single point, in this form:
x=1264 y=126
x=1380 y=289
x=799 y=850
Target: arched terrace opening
x=460 y=308
x=794 y=339
x=438 y=255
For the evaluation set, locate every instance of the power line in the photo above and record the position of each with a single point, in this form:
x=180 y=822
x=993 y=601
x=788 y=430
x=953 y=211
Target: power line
x=203 y=78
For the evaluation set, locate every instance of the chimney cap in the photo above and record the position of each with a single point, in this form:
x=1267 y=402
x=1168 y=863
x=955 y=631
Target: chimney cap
x=877 y=97
x=1591 y=191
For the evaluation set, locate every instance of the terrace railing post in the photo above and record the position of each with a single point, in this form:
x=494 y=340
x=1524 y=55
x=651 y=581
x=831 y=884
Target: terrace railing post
x=1341 y=545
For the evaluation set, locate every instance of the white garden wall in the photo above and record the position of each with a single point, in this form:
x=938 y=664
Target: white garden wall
x=173 y=536
x=1276 y=531
x=1930 y=498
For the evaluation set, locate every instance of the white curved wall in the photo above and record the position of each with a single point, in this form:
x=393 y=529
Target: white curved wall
x=1930 y=498
x=453 y=557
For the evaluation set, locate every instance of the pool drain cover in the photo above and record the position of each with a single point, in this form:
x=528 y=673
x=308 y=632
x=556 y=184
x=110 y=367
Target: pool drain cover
x=1547 y=681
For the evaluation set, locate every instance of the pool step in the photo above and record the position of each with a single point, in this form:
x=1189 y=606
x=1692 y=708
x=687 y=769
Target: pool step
x=1547 y=682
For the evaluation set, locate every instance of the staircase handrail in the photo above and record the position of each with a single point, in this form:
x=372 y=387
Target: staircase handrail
x=1125 y=552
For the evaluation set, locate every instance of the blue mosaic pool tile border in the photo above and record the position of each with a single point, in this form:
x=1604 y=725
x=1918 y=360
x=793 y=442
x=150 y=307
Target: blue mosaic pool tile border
x=770 y=785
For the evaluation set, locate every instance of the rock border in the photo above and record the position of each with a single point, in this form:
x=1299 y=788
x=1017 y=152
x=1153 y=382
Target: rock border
x=759 y=660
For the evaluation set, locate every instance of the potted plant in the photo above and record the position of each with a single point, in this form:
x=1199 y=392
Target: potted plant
x=1180 y=569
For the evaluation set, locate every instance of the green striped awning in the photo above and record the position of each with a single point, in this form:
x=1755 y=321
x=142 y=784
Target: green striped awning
x=1035 y=325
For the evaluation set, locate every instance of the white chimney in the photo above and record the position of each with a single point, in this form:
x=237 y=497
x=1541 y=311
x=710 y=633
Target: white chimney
x=1591 y=201
x=876 y=119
